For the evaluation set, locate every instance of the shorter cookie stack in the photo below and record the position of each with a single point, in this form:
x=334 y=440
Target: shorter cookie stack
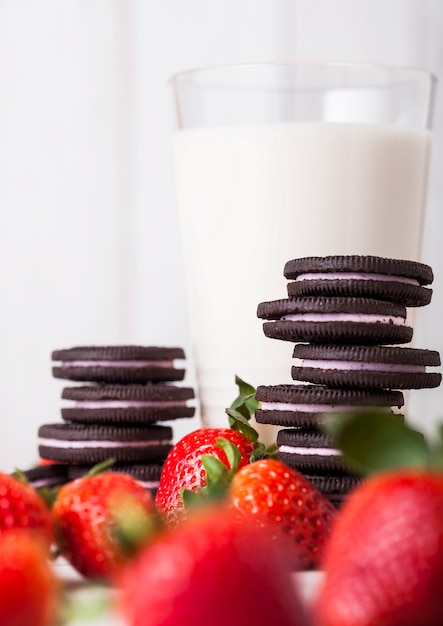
x=131 y=389
x=347 y=312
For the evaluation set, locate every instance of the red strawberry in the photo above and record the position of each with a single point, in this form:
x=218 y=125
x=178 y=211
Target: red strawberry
x=22 y=507
x=275 y=495
x=183 y=468
x=87 y=511
x=211 y=570
x=384 y=561
x=28 y=589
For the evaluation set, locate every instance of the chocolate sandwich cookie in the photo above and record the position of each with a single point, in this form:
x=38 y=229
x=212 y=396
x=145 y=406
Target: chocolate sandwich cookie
x=127 y=404
x=370 y=367
x=334 y=487
x=361 y=276
x=51 y=475
x=307 y=406
x=147 y=475
x=310 y=451
x=118 y=364
x=78 y=443
x=335 y=320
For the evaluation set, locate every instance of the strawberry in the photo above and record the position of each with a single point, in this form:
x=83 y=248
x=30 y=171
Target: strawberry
x=212 y=569
x=87 y=512
x=28 y=589
x=183 y=468
x=384 y=561
x=280 y=497
x=22 y=507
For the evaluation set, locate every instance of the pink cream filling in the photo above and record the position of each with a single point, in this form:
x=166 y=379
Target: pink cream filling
x=369 y=367
x=148 y=484
x=59 y=443
x=310 y=451
x=126 y=404
x=117 y=364
x=307 y=408
x=356 y=276
x=362 y=318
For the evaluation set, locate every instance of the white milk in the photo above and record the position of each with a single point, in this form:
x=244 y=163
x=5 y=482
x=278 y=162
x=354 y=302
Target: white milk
x=253 y=197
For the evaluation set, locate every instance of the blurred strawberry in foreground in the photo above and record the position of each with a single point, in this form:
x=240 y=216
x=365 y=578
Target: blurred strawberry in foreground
x=384 y=561
x=88 y=512
x=213 y=570
x=28 y=589
x=22 y=507
x=183 y=468
x=273 y=494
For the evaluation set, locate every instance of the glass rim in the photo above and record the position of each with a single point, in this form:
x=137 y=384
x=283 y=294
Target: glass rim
x=419 y=71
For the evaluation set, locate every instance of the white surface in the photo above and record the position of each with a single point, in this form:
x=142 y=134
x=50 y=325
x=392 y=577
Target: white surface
x=89 y=237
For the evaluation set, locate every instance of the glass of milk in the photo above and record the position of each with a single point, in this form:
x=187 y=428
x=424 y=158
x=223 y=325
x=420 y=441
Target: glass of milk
x=278 y=161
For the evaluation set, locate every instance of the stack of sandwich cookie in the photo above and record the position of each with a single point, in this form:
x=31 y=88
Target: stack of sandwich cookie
x=132 y=389
x=348 y=312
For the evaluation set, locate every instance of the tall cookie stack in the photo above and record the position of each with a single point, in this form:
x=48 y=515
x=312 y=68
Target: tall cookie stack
x=347 y=312
x=116 y=415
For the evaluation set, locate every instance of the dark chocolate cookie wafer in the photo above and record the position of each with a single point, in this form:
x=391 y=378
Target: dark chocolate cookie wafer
x=50 y=475
x=118 y=364
x=78 y=443
x=361 y=276
x=334 y=487
x=307 y=406
x=310 y=451
x=366 y=366
x=335 y=320
x=147 y=475
x=127 y=404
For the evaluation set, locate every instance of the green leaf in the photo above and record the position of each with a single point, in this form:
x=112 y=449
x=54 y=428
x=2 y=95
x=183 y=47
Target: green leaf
x=99 y=468
x=232 y=453
x=217 y=477
x=271 y=451
x=375 y=441
x=238 y=422
x=245 y=403
x=258 y=453
x=133 y=526
x=20 y=475
x=191 y=499
x=80 y=609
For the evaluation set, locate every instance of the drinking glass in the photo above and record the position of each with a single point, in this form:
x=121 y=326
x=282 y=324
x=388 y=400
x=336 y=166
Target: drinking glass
x=276 y=161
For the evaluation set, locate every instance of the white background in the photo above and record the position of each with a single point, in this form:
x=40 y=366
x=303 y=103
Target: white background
x=89 y=238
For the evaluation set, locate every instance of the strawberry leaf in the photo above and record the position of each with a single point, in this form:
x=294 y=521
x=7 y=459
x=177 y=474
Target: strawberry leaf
x=238 y=422
x=217 y=483
x=375 y=441
x=258 y=453
x=99 y=468
x=191 y=499
x=246 y=397
x=232 y=453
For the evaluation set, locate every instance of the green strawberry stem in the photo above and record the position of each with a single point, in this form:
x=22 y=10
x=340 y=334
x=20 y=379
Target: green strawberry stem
x=376 y=441
x=99 y=468
x=240 y=413
x=218 y=476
